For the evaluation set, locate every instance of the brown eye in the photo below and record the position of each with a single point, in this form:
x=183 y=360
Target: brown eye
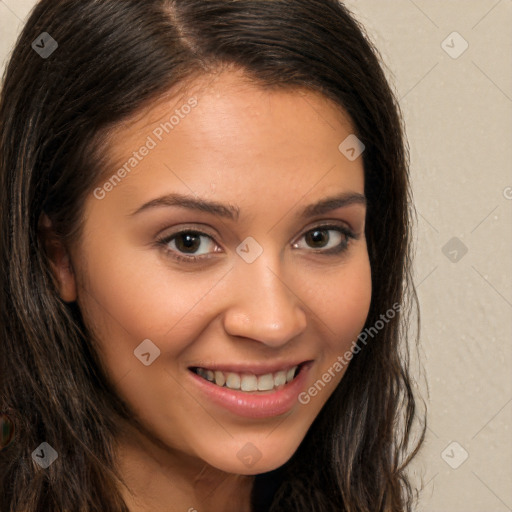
x=184 y=245
x=318 y=238
x=187 y=242
x=327 y=239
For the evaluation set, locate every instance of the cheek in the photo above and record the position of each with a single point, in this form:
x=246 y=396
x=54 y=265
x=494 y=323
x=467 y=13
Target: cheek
x=342 y=306
x=129 y=293
x=128 y=300
x=341 y=301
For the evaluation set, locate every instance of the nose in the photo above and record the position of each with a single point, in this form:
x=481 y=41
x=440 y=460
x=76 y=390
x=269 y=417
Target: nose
x=263 y=305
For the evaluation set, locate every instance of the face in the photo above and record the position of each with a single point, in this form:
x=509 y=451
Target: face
x=215 y=257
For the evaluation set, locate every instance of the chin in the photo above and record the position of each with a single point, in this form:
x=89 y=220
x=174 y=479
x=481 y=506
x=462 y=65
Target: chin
x=252 y=457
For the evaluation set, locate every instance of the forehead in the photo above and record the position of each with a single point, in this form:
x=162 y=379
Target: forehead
x=230 y=105
x=227 y=132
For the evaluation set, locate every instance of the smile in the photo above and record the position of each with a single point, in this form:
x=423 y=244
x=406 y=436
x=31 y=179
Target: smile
x=261 y=391
x=247 y=381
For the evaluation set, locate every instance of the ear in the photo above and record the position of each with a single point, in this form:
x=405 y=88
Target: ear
x=59 y=259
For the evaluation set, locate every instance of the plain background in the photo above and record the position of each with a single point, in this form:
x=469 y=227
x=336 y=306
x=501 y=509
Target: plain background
x=457 y=106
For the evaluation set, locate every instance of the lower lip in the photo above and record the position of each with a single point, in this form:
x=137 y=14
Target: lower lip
x=254 y=405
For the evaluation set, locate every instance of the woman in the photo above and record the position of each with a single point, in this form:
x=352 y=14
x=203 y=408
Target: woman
x=264 y=372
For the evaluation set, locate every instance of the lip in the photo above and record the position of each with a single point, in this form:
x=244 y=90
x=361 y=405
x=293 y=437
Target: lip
x=262 y=404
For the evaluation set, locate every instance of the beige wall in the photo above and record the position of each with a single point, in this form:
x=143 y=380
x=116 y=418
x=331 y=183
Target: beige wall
x=458 y=113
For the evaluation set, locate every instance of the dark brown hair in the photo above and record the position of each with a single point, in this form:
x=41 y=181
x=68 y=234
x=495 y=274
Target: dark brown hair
x=115 y=57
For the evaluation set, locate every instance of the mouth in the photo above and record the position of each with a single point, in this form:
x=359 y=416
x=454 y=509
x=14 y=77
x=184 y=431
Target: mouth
x=259 y=392
x=249 y=382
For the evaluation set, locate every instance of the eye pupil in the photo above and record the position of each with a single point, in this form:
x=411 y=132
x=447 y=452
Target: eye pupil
x=190 y=241
x=316 y=236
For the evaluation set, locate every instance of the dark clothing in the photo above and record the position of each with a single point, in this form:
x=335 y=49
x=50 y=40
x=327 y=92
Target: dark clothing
x=265 y=487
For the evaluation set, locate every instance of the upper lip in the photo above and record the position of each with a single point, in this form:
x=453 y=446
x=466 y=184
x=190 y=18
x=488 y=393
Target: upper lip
x=260 y=368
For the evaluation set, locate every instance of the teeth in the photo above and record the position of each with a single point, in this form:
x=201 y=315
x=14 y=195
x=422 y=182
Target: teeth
x=233 y=381
x=220 y=380
x=249 y=383
x=246 y=381
x=280 y=378
x=266 y=382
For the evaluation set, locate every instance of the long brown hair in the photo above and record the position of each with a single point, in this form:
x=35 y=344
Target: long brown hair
x=113 y=58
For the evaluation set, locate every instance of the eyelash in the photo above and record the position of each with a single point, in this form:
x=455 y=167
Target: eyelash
x=339 y=250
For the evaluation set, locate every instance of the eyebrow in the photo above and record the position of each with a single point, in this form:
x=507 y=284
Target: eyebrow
x=232 y=212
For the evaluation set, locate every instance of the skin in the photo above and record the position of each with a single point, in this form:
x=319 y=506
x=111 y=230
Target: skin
x=270 y=153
